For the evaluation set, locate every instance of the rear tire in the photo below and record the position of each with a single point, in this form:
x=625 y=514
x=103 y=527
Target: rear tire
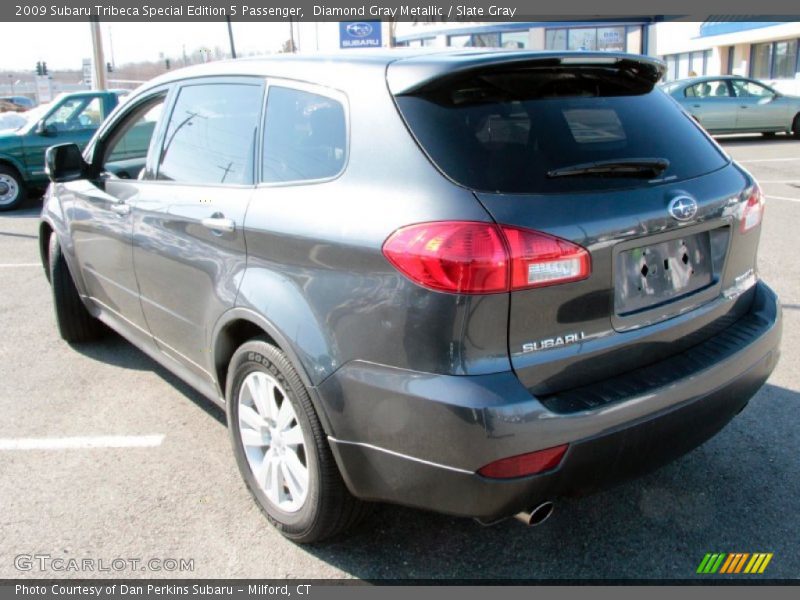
x=315 y=506
x=75 y=324
x=768 y=134
x=12 y=188
x=796 y=127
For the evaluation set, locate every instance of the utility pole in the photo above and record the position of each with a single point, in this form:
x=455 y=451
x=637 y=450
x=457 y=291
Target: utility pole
x=98 y=61
x=230 y=36
x=291 y=36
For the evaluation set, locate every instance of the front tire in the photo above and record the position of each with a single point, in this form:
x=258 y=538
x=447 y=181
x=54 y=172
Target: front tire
x=281 y=449
x=75 y=324
x=12 y=188
x=796 y=127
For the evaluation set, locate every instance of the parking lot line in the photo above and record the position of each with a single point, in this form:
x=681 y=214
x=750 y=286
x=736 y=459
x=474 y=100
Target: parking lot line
x=71 y=443
x=5 y=265
x=782 y=198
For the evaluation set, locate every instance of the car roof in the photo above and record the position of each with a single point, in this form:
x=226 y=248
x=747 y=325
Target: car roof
x=410 y=67
x=703 y=78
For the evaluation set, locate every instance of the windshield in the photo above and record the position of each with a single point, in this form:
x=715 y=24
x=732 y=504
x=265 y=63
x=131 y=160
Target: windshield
x=510 y=132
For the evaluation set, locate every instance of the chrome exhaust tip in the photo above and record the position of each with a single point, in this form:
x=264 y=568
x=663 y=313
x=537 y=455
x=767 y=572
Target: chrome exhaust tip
x=537 y=515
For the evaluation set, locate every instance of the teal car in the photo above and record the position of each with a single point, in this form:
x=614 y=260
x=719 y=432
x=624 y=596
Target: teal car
x=70 y=118
x=731 y=104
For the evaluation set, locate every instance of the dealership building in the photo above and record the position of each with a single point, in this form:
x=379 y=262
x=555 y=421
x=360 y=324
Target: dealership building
x=765 y=50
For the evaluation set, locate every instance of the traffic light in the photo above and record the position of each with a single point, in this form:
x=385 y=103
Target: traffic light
x=39 y=68
x=109 y=68
x=44 y=68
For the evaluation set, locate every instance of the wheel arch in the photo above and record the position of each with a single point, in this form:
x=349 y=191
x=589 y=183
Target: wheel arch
x=45 y=231
x=8 y=161
x=237 y=326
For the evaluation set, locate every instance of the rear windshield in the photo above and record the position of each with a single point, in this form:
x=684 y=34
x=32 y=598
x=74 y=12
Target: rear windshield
x=509 y=132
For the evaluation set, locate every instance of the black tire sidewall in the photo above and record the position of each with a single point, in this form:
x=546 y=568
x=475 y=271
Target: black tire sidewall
x=260 y=356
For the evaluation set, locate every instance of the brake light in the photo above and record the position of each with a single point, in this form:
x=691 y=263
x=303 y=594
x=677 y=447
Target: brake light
x=467 y=257
x=525 y=464
x=753 y=210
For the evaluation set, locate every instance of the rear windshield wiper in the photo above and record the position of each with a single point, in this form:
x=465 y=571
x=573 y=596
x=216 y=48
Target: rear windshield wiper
x=628 y=167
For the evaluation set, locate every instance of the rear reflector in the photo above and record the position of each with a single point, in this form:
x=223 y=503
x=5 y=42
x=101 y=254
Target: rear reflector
x=467 y=257
x=753 y=210
x=525 y=464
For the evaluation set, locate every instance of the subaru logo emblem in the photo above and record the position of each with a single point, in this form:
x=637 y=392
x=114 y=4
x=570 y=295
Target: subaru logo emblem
x=682 y=208
x=359 y=30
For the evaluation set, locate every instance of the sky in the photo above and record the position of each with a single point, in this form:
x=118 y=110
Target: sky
x=65 y=45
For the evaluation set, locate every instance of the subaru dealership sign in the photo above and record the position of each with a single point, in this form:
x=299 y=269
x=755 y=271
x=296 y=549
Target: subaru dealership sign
x=360 y=34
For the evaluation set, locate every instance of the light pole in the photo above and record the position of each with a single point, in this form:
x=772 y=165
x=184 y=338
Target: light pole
x=99 y=63
x=230 y=36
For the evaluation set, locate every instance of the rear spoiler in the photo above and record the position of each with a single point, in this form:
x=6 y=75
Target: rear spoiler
x=411 y=75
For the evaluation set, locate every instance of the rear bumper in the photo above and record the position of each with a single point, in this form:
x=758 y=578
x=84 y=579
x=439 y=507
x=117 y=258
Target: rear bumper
x=418 y=438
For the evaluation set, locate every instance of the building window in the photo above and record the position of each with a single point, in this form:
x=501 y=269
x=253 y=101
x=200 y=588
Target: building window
x=687 y=64
x=611 y=39
x=774 y=60
x=605 y=39
x=515 y=39
x=760 y=58
x=476 y=40
x=555 y=39
x=784 y=64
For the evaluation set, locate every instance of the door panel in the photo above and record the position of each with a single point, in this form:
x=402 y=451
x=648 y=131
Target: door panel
x=101 y=227
x=712 y=104
x=187 y=270
x=74 y=120
x=758 y=107
x=188 y=234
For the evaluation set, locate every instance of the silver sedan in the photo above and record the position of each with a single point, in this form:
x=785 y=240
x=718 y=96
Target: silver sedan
x=737 y=105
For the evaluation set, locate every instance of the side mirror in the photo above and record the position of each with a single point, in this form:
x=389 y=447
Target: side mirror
x=65 y=163
x=45 y=130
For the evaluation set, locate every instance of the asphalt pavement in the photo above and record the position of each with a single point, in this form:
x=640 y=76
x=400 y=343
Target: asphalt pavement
x=170 y=489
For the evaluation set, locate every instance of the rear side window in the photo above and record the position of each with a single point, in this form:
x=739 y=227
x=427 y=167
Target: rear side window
x=305 y=136
x=511 y=131
x=211 y=134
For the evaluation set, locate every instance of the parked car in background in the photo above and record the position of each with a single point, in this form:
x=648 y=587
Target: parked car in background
x=729 y=104
x=469 y=282
x=22 y=101
x=72 y=117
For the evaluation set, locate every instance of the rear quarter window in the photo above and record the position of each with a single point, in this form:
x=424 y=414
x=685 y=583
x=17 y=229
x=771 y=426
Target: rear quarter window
x=505 y=132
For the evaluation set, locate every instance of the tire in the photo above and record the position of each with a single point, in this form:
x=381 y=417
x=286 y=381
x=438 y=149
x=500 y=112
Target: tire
x=13 y=190
x=768 y=134
x=326 y=508
x=796 y=127
x=75 y=324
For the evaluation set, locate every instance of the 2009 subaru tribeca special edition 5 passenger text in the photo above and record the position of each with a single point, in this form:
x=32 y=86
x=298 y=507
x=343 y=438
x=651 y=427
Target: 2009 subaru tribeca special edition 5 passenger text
x=463 y=281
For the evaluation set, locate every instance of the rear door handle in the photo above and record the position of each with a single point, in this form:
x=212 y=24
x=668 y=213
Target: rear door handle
x=220 y=224
x=121 y=208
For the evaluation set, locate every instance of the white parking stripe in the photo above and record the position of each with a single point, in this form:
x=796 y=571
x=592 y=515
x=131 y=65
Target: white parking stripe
x=762 y=160
x=20 y=265
x=70 y=443
x=782 y=198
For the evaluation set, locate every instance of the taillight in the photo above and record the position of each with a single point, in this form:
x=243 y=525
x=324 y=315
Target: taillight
x=467 y=257
x=525 y=464
x=538 y=259
x=753 y=210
